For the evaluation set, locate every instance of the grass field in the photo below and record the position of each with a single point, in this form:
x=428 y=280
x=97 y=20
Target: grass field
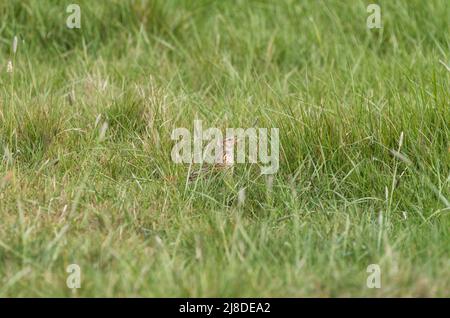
x=86 y=175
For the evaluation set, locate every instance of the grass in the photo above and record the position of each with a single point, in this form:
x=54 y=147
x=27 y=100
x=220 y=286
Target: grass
x=86 y=175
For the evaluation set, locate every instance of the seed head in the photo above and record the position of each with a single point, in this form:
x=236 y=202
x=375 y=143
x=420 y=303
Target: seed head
x=9 y=67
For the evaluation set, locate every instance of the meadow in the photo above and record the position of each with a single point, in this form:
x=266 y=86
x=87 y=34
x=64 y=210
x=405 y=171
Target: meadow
x=86 y=175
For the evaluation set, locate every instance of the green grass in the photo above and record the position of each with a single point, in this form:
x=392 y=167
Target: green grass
x=116 y=205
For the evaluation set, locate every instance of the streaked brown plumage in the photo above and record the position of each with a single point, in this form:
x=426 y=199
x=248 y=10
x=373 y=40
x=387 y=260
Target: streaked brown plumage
x=226 y=163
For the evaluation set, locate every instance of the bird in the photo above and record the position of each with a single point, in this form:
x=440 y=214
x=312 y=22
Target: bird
x=224 y=161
